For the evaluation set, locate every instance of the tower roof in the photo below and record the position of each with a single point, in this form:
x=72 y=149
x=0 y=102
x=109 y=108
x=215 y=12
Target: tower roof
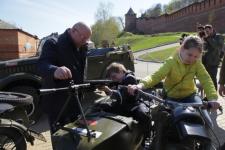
x=130 y=12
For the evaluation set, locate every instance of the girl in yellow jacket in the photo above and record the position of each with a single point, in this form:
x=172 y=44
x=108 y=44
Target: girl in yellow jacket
x=179 y=72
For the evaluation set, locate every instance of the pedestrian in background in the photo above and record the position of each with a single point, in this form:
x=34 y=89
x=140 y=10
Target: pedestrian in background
x=213 y=46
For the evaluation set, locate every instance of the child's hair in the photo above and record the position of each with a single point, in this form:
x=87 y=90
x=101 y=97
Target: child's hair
x=193 y=42
x=209 y=26
x=115 y=68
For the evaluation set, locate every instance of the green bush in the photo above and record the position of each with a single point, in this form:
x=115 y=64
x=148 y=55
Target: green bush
x=125 y=34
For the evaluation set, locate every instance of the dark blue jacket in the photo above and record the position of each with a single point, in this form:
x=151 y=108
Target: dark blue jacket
x=127 y=99
x=55 y=54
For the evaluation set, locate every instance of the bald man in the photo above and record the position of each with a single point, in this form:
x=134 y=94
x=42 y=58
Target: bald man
x=63 y=60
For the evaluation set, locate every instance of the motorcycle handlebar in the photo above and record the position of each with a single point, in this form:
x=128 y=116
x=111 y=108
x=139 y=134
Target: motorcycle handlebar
x=150 y=96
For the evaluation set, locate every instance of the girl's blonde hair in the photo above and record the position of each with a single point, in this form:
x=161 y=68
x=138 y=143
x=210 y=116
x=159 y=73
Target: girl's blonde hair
x=115 y=68
x=193 y=42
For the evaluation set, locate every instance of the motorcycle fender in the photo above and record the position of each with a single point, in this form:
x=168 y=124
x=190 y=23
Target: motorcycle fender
x=19 y=127
x=187 y=130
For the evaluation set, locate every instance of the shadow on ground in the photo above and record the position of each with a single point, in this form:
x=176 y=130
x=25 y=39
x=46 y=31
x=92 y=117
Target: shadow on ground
x=41 y=125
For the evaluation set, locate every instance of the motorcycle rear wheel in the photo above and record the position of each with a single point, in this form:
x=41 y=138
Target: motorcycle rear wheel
x=11 y=139
x=16 y=99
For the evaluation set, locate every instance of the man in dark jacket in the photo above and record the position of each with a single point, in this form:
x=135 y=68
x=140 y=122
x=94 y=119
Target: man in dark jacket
x=213 y=45
x=63 y=60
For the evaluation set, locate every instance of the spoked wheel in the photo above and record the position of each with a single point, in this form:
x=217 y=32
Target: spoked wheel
x=11 y=139
x=33 y=110
x=19 y=101
x=16 y=99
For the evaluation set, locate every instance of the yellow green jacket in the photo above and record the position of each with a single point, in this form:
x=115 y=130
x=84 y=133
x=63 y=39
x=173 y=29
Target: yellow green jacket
x=179 y=78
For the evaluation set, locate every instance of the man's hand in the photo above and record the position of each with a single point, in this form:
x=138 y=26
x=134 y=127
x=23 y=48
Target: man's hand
x=222 y=90
x=62 y=73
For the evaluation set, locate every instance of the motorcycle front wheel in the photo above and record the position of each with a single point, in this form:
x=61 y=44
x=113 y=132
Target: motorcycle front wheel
x=11 y=139
x=190 y=144
x=200 y=145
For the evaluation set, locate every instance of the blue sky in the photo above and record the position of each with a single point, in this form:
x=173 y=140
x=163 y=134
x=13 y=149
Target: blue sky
x=42 y=17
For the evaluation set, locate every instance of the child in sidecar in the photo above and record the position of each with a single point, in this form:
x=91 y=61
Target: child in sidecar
x=125 y=104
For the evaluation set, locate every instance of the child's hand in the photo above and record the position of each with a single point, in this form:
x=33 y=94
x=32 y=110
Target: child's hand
x=106 y=89
x=214 y=104
x=132 y=88
x=101 y=88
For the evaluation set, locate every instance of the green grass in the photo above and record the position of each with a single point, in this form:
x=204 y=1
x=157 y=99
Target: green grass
x=140 y=42
x=159 y=56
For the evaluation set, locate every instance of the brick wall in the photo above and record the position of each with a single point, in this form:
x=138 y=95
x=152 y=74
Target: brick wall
x=15 y=43
x=27 y=45
x=185 y=19
x=8 y=44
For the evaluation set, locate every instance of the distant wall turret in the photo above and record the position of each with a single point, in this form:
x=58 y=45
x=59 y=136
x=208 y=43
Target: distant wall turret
x=130 y=21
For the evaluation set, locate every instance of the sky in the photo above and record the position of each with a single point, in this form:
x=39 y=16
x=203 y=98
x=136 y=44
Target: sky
x=42 y=17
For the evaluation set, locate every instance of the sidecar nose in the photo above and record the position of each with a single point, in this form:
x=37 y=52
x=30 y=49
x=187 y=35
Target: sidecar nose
x=5 y=107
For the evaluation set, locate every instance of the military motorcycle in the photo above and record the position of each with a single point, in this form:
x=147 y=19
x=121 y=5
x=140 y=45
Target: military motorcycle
x=95 y=129
x=183 y=125
x=14 y=121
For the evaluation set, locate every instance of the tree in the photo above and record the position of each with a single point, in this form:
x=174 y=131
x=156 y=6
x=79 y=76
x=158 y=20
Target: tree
x=121 y=21
x=105 y=31
x=96 y=34
x=175 y=5
x=104 y=11
x=154 y=11
x=106 y=27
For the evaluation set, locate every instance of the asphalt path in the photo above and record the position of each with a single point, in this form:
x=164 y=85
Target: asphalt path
x=137 y=54
x=144 y=68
